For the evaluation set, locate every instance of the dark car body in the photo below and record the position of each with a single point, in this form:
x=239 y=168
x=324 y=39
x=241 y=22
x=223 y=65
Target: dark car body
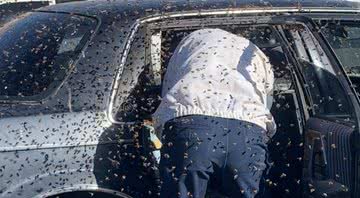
x=72 y=138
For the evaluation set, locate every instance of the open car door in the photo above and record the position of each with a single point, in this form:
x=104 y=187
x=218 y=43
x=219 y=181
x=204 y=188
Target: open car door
x=326 y=99
x=331 y=155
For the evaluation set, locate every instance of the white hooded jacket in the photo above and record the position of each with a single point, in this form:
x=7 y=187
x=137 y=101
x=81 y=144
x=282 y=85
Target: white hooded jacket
x=216 y=73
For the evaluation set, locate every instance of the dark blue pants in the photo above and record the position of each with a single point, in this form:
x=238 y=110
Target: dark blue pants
x=199 y=147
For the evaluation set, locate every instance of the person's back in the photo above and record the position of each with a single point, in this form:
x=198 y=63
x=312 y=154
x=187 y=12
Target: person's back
x=217 y=73
x=216 y=85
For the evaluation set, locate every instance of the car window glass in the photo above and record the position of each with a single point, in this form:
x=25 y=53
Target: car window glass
x=327 y=95
x=137 y=96
x=36 y=52
x=344 y=39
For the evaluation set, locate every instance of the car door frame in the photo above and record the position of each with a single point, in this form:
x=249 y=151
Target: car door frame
x=246 y=20
x=286 y=18
x=345 y=83
x=355 y=98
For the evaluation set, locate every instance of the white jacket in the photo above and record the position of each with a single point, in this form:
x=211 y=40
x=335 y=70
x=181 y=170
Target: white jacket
x=216 y=73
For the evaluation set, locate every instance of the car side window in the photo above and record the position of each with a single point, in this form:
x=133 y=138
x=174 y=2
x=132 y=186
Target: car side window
x=138 y=94
x=327 y=94
x=37 y=51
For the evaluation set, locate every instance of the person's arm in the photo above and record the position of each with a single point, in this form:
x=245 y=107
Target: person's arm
x=269 y=80
x=269 y=90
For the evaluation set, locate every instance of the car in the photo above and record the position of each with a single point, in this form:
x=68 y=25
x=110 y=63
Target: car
x=80 y=79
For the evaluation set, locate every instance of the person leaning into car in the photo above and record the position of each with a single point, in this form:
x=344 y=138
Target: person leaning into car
x=214 y=116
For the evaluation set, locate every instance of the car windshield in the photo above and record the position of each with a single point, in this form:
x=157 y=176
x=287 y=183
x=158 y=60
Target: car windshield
x=344 y=38
x=37 y=50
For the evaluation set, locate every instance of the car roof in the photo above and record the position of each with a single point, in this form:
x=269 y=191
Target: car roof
x=143 y=8
x=117 y=27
